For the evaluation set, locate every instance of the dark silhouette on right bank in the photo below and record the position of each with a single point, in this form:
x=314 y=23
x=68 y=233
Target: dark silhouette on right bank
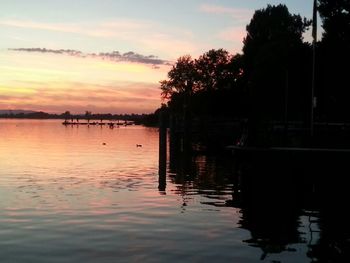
x=268 y=87
x=262 y=99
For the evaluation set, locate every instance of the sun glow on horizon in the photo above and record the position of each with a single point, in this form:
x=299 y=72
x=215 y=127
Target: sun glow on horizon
x=48 y=58
x=56 y=83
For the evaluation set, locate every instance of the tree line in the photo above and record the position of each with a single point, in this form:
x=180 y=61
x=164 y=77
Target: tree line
x=144 y=119
x=270 y=80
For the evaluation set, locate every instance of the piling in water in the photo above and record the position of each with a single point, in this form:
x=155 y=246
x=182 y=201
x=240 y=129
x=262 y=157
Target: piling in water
x=162 y=151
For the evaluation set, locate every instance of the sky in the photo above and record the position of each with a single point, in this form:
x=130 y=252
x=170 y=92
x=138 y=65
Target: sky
x=108 y=56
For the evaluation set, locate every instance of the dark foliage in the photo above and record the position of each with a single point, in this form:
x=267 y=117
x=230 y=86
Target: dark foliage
x=332 y=56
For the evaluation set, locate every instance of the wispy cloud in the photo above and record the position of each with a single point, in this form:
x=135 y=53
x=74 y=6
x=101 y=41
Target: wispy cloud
x=241 y=14
x=114 y=56
x=175 y=46
x=102 y=29
x=36 y=25
x=147 y=35
x=232 y=34
x=59 y=81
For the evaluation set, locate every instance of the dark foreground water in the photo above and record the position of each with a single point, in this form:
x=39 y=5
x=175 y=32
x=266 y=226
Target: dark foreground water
x=88 y=194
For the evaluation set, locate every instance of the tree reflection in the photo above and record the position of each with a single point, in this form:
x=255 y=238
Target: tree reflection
x=205 y=175
x=269 y=206
x=292 y=204
x=274 y=193
x=272 y=229
x=334 y=242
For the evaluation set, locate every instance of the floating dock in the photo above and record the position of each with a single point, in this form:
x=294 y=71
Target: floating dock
x=95 y=123
x=286 y=149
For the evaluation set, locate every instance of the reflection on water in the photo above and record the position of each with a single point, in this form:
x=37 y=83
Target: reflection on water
x=89 y=194
x=295 y=204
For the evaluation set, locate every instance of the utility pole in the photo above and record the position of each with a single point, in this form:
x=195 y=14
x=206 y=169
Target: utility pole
x=314 y=41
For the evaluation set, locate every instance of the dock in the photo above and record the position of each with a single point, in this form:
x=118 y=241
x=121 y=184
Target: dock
x=248 y=149
x=317 y=156
x=96 y=123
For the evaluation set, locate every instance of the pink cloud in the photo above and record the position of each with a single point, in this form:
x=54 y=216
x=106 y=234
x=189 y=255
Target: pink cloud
x=148 y=35
x=169 y=44
x=69 y=28
x=237 y=13
x=78 y=97
x=107 y=29
x=233 y=34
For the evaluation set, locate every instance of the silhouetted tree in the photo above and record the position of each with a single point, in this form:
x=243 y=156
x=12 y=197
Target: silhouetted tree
x=336 y=20
x=209 y=82
x=333 y=54
x=181 y=78
x=213 y=70
x=217 y=73
x=273 y=55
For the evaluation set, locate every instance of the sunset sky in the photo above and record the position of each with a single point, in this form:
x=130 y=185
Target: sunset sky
x=109 y=55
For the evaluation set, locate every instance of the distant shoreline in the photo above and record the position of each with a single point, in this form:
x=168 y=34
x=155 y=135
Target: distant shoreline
x=141 y=119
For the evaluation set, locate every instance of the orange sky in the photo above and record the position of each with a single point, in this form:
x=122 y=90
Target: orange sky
x=32 y=78
x=56 y=83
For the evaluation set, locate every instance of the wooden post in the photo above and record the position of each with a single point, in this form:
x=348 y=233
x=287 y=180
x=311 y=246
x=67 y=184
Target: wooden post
x=187 y=123
x=174 y=142
x=286 y=93
x=162 y=151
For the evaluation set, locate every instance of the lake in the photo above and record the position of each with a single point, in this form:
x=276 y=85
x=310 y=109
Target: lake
x=87 y=193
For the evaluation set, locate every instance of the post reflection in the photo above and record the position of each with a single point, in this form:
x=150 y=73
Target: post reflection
x=162 y=154
x=202 y=175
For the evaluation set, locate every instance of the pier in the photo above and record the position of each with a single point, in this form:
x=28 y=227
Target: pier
x=96 y=123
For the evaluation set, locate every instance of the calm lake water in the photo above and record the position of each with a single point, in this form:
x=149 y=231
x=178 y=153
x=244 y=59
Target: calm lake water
x=88 y=194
